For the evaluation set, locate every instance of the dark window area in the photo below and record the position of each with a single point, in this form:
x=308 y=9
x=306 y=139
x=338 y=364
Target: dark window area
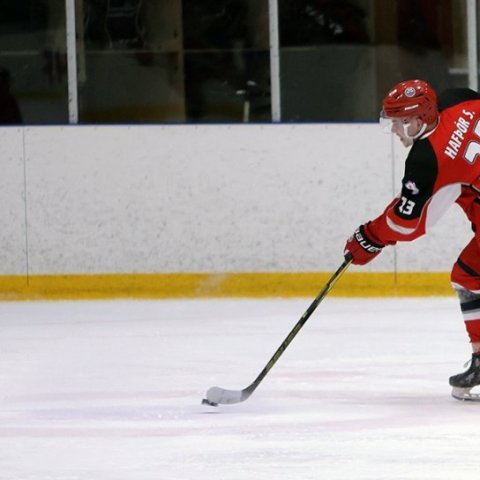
x=190 y=61
x=33 y=65
x=339 y=57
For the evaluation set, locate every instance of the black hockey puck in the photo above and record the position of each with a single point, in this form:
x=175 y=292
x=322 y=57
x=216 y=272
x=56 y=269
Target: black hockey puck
x=208 y=402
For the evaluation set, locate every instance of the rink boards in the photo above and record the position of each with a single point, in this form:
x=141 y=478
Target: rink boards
x=199 y=211
x=255 y=285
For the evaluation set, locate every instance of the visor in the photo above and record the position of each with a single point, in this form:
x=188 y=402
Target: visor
x=386 y=123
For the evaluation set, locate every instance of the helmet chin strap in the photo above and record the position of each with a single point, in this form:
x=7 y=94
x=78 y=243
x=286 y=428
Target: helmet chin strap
x=406 y=126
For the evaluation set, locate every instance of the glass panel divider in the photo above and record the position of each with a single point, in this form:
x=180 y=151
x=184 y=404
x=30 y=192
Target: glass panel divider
x=71 y=62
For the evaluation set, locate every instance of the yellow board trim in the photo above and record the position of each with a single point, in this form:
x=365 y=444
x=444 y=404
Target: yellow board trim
x=215 y=285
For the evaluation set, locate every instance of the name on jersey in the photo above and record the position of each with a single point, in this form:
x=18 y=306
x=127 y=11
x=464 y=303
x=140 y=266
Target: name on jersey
x=458 y=136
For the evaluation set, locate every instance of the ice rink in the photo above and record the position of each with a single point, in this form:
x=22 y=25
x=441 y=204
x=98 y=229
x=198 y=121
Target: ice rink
x=112 y=391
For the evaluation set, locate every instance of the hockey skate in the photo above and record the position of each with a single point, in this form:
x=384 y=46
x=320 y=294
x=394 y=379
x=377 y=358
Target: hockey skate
x=464 y=382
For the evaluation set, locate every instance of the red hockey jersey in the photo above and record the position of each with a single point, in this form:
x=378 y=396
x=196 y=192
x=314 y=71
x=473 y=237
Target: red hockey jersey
x=442 y=167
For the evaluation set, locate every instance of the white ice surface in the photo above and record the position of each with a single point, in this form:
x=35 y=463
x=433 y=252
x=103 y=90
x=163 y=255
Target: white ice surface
x=112 y=391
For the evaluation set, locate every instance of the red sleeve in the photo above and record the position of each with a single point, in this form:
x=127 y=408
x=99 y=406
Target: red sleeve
x=389 y=228
x=404 y=219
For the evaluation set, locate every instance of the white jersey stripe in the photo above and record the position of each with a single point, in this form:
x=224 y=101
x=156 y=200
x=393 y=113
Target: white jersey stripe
x=472 y=315
x=441 y=202
x=436 y=207
x=399 y=228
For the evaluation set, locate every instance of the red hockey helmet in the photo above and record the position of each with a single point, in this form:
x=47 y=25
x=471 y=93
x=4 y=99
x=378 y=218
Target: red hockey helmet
x=411 y=98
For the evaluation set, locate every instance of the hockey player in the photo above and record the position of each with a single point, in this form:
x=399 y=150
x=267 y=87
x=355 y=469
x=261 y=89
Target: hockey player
x=442 y=167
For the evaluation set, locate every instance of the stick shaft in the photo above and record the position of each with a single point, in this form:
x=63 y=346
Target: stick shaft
x=217 y=395
x=298 y=326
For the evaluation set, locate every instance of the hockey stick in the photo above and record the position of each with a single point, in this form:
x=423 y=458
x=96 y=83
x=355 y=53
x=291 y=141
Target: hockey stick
x=217 y=395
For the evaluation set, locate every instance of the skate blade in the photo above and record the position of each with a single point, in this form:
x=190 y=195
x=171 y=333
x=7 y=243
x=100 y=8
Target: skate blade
x=465 y=394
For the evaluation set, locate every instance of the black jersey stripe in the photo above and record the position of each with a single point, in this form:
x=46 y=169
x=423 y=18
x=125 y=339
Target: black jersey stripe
x=454 y=96
x=467 y=269
x=470 y=306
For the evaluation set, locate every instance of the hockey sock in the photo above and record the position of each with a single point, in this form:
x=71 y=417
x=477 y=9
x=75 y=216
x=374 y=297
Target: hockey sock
x=470 y=305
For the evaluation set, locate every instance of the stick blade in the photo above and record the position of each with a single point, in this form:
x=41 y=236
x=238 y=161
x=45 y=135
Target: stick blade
x=222 y=396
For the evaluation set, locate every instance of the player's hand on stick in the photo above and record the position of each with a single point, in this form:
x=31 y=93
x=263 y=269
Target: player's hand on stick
x=363 y=246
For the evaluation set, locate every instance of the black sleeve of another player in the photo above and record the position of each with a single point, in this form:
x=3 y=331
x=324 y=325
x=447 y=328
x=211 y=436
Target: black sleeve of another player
x=421 y=170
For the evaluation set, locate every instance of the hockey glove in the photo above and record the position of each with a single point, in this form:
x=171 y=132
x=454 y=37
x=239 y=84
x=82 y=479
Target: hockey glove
x=363 y=246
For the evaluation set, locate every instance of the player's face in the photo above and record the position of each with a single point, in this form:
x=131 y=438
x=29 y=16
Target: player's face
x=406 y=128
